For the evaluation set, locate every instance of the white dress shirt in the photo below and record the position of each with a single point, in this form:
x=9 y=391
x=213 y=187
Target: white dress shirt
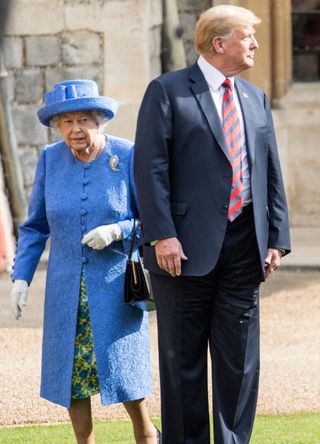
x=214 y=79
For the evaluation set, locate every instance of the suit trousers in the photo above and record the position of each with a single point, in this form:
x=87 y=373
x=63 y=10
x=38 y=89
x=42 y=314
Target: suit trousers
x=219 y=311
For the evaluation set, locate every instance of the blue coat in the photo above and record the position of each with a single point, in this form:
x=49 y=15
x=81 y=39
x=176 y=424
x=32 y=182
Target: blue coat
x=70 y=198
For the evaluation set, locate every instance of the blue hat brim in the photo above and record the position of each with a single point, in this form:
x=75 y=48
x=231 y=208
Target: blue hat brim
x=106 y=105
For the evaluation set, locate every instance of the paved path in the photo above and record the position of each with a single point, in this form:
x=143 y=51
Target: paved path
x=305 y=248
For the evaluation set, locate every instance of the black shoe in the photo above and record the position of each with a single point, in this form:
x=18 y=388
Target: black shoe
x=159 y=437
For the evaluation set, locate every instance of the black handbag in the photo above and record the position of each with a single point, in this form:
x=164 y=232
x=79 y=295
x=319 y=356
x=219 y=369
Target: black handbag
x=137 y=285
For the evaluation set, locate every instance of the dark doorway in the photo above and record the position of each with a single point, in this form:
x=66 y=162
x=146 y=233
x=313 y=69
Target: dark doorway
x=306 y=40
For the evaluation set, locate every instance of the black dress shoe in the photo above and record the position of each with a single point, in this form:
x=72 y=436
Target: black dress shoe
x=159 y=437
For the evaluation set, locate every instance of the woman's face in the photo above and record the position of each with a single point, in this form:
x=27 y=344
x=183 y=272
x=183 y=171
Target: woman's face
x=78 y=129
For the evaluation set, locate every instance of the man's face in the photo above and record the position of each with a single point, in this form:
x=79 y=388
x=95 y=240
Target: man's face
x=239 y=50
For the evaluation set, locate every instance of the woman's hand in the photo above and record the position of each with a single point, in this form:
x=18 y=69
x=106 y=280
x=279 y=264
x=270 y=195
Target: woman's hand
x=102 y=236
x=19 y=297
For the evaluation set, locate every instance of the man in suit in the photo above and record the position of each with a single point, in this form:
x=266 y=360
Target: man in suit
x=215 y=225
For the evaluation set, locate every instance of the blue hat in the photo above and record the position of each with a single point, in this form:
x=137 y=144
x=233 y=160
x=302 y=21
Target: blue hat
x=75 y=95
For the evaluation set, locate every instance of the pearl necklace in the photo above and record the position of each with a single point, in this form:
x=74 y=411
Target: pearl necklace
x=95 y=151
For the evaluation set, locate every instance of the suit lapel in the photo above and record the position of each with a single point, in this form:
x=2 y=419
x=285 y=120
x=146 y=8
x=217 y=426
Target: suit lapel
x=202 y=94
x=249 y=118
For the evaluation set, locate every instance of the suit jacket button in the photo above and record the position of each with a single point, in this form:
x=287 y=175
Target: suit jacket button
x=84 y=260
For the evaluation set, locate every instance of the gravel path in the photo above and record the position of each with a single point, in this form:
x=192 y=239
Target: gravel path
x=290 y=344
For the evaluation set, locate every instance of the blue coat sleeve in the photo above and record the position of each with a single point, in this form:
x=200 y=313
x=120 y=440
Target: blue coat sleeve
x=127 y=225
x=34 y=232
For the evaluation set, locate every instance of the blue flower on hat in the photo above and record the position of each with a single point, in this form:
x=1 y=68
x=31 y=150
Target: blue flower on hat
x=75 y=95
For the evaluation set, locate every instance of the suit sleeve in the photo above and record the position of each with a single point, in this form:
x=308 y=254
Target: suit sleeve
x=34 y=232
x=151 y=164
x=279 y=233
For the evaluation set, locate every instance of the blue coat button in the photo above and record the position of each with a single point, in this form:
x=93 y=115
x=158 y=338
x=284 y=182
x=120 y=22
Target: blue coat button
x=84 y=196
x=84 y=260
x=83 y=212
x=87 y=166
x=85 y=181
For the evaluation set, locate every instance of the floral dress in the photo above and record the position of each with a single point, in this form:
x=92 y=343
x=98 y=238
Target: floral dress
x=85 y=382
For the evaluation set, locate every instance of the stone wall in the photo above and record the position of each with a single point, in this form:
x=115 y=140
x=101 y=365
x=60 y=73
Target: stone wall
x=298 y=131
x=34 y=63
x=115 y=43
x=189 y=12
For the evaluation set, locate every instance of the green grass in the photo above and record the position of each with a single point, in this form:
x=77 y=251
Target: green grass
x=301 y=428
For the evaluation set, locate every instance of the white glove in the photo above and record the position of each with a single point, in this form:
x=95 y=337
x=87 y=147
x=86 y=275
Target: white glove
x=19 y=297
x=102 y=236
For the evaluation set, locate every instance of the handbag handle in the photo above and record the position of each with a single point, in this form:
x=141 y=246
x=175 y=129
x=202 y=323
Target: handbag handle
x=134 y=235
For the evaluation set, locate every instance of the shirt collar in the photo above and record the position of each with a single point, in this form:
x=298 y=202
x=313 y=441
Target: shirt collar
x=213 y=76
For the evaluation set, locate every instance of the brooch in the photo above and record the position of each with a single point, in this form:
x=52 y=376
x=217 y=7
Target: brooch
x=113 y=162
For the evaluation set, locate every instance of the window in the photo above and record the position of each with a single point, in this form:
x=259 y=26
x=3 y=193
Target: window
x=306 y=40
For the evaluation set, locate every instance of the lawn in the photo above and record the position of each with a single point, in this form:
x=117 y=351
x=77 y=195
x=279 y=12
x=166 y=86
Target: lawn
x=301 y=428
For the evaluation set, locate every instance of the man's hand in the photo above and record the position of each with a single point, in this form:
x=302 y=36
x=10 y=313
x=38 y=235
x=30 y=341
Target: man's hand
x=19 y=297
x=272 y=261
x=102 y=236
x=169 y=255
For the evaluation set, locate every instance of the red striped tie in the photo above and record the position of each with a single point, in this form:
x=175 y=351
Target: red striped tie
x=234 y=141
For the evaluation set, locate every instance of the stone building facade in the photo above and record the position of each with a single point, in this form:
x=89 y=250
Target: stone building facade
x=189 y=12
x=35 y=63
x=117 y=44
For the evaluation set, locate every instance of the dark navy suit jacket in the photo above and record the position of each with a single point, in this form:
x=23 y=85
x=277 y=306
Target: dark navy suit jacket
x=183 y=175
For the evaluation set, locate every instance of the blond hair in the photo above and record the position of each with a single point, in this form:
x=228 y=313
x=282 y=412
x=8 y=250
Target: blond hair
x=220 y=21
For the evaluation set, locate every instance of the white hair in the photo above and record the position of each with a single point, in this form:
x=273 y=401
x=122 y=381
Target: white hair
x=98 y=116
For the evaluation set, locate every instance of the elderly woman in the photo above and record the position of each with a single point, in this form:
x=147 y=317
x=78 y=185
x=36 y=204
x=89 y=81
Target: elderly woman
x=83 y=200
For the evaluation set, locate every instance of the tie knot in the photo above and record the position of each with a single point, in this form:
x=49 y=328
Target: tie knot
x=227 y=84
